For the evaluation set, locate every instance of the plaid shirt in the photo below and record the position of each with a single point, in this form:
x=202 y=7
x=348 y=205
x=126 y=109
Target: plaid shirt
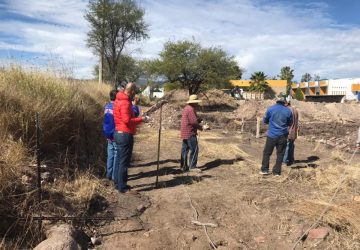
x=189 y=122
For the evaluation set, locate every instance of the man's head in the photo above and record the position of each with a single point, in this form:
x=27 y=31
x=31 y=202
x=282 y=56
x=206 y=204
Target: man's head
x=281 y=98
x=113 y=95
x=135 y=101
x=193 y=100
x=288 y=101
x=130 y=90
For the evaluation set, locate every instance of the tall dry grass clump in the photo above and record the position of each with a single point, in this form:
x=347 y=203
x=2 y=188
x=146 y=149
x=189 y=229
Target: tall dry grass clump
x=342 y=213
x=71 y=140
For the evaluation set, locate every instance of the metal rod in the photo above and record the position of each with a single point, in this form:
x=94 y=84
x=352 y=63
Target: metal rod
x=158 y=153
x=38 y=162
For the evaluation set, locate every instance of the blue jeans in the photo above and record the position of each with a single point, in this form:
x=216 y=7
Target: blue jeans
x=111 y=168
x=124 y=147
x=191 y=145
x=289 y=152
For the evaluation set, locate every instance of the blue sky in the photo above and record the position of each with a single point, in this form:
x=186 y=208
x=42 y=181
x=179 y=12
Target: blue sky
x=320 y=37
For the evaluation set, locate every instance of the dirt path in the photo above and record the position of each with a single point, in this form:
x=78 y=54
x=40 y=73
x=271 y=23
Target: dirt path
x=252 y=212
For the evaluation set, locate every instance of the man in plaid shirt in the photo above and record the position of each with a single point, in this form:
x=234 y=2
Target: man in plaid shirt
x=190 y=123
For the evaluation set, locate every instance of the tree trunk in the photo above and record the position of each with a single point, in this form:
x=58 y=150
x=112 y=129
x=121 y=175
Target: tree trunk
x=100 y=68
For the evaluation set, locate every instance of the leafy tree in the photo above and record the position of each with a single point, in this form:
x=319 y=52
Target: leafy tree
x=258 y=82
x=194 y=67
x=113 y=24
x=286 y=73
x=299 y=95
x=316 y=77
x=128 y=69
x=306 y=77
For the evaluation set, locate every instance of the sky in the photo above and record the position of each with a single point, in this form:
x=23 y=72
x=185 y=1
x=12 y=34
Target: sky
x=319 y=37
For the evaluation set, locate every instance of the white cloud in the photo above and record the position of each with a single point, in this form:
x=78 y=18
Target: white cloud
x=58 y=30
x=262 y=35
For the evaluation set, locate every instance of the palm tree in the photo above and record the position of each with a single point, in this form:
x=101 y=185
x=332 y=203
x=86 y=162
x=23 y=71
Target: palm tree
x=286 y=73
x=258 y=82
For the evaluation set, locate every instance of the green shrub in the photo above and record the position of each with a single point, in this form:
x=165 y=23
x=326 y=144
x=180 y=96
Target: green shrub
x=172 y=86
x=299 y=95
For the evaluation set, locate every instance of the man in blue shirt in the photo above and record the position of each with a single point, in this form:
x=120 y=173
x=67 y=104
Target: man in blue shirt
x=108 y=131
x=279 y=118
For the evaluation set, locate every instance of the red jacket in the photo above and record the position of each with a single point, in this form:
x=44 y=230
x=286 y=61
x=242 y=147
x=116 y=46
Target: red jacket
x=125 y=120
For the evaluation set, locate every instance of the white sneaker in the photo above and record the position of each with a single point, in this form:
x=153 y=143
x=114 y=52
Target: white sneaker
x=264 y=173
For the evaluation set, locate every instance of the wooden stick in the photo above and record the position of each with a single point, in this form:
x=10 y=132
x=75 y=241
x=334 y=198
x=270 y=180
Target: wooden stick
x=242 y=124
x=158 y=153
x=258 y=121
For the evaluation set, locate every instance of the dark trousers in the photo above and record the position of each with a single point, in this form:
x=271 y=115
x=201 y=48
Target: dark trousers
x=191 y=145
x=124 y=144
x=271 y=143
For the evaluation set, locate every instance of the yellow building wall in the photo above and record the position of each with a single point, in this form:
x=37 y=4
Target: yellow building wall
x=312 y=84
x=246 y=83
x=303 y=85
x=355 y=87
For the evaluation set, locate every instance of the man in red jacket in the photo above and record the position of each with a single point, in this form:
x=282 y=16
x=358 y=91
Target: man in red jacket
x=125 y=129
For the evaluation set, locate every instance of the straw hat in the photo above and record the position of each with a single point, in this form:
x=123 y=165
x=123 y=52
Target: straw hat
x=193 y=99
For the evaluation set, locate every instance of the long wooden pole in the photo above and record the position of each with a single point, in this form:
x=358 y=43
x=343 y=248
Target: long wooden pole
x=158 y=153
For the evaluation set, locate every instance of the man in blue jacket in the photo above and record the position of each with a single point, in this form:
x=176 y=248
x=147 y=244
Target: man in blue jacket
x=108 y=131
x=279 y=118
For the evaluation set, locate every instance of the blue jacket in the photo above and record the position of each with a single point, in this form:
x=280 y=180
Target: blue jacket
x=108 y=122
x=136 y=110
x=279 y=119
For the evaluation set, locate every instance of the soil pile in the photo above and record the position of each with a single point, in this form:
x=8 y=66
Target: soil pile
x=334 y=124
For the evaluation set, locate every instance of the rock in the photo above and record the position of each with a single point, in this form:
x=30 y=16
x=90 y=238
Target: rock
x=318 y=233
x=141 y=208
x=26 y=180
x=356 y=198
x=59 y=237
x=95 y=240
x=221 y=243
x=147 y=234
x=194 y=237
x=259 y=239
x=46 y=177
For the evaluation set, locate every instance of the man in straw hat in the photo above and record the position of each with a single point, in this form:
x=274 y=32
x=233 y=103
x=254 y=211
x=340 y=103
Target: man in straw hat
x=279 y=118
x=190 y=123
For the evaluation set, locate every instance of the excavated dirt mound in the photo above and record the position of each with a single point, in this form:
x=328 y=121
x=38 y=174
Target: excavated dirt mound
x=334 y=124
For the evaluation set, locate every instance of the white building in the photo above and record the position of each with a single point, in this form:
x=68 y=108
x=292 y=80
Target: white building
x=349 y=88
x=153 y=93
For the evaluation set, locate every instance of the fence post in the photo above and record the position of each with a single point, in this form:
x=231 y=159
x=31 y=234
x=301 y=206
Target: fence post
x=242 y=124
x=258 y=121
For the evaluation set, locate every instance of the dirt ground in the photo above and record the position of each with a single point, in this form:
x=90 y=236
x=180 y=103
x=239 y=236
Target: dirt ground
x=250 y=211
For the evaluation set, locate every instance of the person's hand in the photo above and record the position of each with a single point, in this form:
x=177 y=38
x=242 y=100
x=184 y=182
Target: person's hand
x=205 y=127
x=146 y=118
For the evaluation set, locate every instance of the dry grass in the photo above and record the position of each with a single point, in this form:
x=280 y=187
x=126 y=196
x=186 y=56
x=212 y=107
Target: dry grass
x=70 y=118
x=338 y=155
x=341 y=217
x=78 y=192
x=343 y=212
